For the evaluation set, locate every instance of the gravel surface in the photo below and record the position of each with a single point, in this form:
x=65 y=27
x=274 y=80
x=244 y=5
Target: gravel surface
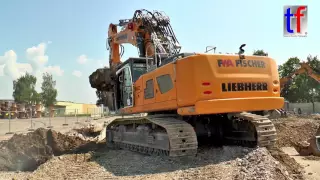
x=259 y=164
x=210 y=163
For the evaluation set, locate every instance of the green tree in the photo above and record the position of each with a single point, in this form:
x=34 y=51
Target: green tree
x=49 y=93
x=288 y=67
x=36 y=98
x=314 y=62
x=303 y=88
x=260 y=52
x=24 y=89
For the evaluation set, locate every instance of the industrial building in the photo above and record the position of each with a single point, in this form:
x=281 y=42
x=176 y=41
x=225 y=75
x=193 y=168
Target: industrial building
x=68 y=107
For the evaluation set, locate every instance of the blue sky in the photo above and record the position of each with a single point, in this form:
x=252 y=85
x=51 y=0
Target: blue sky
x=58 y=32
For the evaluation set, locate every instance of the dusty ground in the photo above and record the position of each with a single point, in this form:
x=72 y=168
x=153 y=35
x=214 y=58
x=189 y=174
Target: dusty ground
x=292 y=131
x=210 y=163
x=311 y=164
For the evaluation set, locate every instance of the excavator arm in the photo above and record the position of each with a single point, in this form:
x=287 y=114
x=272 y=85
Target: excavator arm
x=285 y=82
x=130 y=34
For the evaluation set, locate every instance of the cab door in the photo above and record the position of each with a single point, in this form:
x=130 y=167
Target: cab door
x=127 y=87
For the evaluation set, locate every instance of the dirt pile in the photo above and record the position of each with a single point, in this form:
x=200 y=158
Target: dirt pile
x=295 y=131
x=91 y=130
x=316 y=116
x=27 y=152
x=259 y=164
x=292 y=167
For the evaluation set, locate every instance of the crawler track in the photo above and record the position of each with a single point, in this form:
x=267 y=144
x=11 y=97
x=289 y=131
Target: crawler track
x=182 y=140
x=266 y=134
x=173 y=137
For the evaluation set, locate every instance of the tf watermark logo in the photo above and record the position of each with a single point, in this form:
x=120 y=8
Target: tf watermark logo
x=295 y=21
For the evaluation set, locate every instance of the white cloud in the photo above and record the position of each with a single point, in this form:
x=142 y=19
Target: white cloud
x=1 y=70
x=37 y=57
x=82 y=59
x=37 y=60
x=77 y=73
x=24 y=68
x=54 y=70
x=10 y=67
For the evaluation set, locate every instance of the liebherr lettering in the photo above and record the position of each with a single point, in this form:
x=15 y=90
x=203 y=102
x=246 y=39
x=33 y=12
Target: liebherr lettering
x=241 y=63
x=250 y=86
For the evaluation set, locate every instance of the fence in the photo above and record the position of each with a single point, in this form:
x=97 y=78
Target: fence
x=306 y=108
x=14 y=123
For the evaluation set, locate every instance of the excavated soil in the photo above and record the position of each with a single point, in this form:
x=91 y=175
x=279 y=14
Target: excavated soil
x=27 y=152
x=294 y=169
x=295 y=130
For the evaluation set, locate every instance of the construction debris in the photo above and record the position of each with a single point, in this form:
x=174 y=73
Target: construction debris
x=259 y=164
x=91 y=132
x=69 y=154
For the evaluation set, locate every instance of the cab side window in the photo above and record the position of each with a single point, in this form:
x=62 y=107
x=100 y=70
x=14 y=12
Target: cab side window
x=149 y=91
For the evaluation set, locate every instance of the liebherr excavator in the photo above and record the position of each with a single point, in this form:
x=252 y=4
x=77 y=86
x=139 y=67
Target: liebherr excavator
x=189 y=97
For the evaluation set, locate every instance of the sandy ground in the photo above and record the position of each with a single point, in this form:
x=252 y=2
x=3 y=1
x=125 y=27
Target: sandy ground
x=312 y=167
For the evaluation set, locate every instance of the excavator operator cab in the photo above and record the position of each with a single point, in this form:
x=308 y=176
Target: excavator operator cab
x=127 y=74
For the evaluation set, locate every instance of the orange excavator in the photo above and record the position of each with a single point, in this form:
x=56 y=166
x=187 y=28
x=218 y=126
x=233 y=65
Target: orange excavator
x=189 y=98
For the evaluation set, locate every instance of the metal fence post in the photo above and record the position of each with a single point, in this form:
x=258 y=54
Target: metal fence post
x=31 y=124
x=87 y=115
x=50 y=126
x=9 y=123
x=102 y=109
x=94 y=114
x=65 y=121
x=76 y=113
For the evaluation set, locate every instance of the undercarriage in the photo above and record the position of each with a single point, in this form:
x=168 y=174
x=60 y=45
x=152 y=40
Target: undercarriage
x=174 y=135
